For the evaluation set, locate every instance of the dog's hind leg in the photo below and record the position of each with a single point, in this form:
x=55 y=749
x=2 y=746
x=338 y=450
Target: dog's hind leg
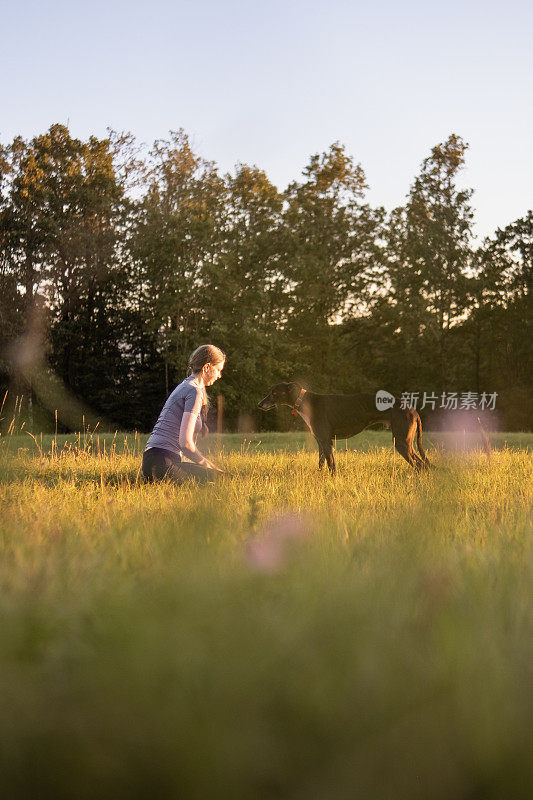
x=418 y=462
x=404 y=427
x=423 y=456
x=408 y=453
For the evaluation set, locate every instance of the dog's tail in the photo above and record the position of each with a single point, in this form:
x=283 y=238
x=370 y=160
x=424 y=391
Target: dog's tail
x=421 y=450
x=484 y=438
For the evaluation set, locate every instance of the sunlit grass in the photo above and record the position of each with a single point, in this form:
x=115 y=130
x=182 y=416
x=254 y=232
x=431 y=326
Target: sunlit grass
x=387 y=653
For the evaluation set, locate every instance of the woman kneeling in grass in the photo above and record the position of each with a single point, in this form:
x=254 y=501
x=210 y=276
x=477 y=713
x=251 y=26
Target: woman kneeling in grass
x=181 y=420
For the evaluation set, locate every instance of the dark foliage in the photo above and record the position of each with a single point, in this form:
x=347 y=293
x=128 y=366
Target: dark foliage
x=116 y=264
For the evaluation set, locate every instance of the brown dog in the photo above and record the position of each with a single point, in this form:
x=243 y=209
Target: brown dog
x=343 y=415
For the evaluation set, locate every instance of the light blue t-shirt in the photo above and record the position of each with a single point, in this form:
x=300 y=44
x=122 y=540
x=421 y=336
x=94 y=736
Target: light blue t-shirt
x=185 y=397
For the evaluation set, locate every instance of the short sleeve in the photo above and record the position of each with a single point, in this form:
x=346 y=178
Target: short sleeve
x=193 y=400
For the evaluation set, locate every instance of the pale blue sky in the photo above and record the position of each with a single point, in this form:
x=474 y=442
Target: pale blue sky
x=271 y=83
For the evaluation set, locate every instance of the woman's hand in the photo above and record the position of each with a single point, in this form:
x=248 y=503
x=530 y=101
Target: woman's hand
x=210 y=465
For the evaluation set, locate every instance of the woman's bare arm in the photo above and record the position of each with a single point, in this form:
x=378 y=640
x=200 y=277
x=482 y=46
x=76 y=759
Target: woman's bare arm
x=186 y=440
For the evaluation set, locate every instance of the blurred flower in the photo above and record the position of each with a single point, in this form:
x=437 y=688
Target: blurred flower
x=437 y=585
x=269 y=550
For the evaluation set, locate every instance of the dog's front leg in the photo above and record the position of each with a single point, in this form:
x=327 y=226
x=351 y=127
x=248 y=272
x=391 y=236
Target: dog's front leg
x=325 y=450
x=321 y=456
x=329 y=458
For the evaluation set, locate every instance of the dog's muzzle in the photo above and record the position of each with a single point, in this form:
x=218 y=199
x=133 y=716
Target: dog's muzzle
x=266 y=404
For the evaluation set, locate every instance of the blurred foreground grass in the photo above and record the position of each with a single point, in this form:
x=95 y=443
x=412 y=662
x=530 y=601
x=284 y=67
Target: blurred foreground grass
x=279 y=634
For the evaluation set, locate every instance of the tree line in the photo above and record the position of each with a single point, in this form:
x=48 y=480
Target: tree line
x=116 y=261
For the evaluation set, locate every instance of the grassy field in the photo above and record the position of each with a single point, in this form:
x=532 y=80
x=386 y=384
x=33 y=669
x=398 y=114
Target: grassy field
x=280 y=634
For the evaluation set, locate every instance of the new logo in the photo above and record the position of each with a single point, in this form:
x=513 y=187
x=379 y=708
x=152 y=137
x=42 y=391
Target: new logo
x=384 y=400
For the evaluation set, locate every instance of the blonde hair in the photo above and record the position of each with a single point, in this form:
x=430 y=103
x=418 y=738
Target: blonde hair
x=205 y=354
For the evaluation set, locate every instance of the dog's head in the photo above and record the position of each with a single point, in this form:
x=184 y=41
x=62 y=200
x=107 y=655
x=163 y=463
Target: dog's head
x=282 y=394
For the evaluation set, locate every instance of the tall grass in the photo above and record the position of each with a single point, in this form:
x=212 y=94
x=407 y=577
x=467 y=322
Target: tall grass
x=149 y=647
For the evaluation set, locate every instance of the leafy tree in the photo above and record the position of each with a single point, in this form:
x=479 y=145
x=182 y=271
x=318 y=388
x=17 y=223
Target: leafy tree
x=206 y=251
x=330 y=248
x=504 y=317
x=246 y=286
x=11 y=300
x=430 y=253
x=508 y=262
x=63 y=210
x=174 y=237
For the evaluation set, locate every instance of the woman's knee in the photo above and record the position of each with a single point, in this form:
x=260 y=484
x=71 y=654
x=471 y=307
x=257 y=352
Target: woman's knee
x=159 y=467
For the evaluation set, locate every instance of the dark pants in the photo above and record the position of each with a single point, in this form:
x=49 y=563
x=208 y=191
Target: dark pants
x=160 y=465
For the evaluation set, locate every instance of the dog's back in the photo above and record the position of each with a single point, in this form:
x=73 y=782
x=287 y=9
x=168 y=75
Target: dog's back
x=345 y=414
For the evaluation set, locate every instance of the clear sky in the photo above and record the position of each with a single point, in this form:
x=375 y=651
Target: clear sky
x=271 y=83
